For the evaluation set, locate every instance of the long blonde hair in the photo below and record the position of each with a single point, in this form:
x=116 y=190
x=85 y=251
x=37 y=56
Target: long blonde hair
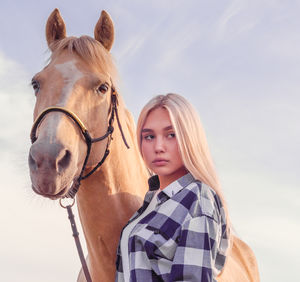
x=191 y=139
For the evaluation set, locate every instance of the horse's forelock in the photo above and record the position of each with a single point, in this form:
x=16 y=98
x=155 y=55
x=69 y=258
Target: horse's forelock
x=90 y=51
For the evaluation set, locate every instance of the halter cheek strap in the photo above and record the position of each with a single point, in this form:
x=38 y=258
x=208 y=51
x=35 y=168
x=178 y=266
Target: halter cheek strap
x=88 y=140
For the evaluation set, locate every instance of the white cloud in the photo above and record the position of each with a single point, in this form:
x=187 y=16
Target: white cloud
x=36 y=232
x=16 y=101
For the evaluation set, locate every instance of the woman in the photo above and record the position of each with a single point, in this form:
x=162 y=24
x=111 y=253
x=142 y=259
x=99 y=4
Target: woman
x=181 y=233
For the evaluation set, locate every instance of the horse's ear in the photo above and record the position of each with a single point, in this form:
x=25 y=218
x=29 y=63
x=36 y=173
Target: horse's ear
x=55 y=28
x=104 y=30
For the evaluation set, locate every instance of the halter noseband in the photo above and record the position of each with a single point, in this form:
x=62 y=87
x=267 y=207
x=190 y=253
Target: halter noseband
x=88 y=139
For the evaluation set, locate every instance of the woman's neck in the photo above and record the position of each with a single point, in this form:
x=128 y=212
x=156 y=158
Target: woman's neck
x=166 y=180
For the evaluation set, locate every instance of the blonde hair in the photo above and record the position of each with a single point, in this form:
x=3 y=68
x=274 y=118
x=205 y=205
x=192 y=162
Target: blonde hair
x=191 y=139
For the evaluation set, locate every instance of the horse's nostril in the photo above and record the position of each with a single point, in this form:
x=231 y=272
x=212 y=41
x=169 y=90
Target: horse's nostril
x=32 y=162
x=64 y=162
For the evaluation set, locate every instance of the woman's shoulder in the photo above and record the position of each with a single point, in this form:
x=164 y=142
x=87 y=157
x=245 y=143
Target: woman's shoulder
x=205 y=200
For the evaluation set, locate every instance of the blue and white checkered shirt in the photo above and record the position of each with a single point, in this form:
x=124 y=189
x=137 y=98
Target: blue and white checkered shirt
x=183 y=239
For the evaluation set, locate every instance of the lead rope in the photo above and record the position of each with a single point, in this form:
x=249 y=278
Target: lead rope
x=77 y=240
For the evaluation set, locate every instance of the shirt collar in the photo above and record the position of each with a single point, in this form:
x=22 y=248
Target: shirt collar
x=171 y=189
x=153 y=183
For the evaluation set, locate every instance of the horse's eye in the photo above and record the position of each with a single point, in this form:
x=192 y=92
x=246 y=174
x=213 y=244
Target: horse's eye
x=102 y=88
x=35 y=86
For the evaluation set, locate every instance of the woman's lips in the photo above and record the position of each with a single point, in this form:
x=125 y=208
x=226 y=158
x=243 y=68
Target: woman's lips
x=160 y=162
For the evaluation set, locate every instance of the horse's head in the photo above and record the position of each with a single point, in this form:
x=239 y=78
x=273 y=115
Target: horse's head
x=78 y=79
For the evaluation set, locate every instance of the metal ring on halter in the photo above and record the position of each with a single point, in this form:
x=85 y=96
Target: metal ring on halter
x=65 y=206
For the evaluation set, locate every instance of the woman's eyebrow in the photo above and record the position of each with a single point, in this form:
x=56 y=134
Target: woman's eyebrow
x=147 y=130
x=170 y=127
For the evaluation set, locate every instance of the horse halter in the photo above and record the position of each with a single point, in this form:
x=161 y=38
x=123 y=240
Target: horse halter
x=88 y=139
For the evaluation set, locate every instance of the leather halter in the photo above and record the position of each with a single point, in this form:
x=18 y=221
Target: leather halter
x=88 y=139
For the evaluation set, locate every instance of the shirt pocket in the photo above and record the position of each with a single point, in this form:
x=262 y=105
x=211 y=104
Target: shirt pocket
x=161 y=244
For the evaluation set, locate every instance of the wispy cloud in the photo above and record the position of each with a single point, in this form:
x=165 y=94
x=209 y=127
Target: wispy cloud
x=135 y=42
x=233 y=9
x=175 y=48
x=239 y=17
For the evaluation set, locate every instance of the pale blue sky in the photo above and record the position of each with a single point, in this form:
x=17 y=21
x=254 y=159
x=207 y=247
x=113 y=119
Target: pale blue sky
x=237 y=61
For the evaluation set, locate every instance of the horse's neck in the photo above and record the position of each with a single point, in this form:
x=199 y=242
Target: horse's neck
x=108 y=198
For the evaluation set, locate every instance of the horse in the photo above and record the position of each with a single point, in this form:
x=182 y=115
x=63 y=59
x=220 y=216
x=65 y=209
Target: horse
x=77 y=100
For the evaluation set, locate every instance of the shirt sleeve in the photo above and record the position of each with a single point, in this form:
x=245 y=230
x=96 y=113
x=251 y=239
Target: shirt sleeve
x=196 y=252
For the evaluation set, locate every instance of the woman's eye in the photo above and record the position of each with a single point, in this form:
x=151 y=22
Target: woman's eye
x=35 y=86
x=102 y=88
x=171 y=135
x=148 y=137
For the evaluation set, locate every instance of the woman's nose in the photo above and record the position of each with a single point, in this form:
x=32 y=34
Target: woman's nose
x=159 y=145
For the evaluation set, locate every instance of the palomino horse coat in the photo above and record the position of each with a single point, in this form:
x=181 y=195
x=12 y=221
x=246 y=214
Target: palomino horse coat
x=79 y=78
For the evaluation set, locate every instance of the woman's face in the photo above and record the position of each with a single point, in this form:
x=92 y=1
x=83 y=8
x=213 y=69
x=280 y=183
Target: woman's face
x=160 y=148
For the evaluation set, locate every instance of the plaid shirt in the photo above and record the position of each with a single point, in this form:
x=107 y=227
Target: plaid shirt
x=183 y=239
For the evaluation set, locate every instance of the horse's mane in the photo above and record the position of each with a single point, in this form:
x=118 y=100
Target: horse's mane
x=91 y=51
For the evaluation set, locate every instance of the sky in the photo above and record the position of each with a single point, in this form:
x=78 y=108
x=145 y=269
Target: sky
x=236 y=61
